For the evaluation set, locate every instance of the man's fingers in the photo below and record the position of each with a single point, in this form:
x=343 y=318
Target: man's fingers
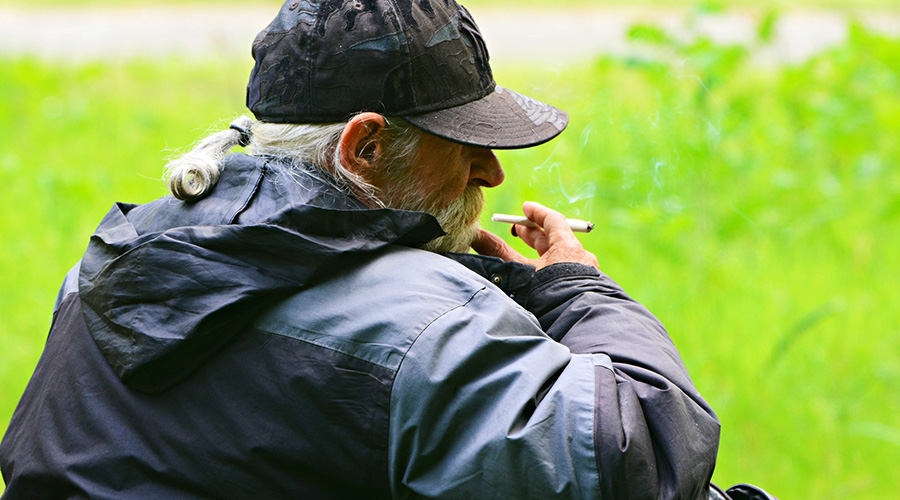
x=534 y=237
x=539 y=213
x=554 y=223
x=554 y=240
x=488 y=243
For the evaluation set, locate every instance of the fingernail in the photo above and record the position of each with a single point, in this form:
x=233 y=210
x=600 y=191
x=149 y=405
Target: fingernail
x=512 y=229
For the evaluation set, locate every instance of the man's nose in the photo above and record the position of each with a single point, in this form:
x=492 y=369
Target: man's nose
x=485 y=169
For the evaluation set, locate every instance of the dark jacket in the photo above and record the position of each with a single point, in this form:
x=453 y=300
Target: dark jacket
x=278 y=340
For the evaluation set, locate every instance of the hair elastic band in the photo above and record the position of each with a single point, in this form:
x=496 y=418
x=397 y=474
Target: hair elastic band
x=245 y=134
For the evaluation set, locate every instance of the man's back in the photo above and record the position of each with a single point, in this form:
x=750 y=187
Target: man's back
x=295 y=405
x=362 y=369
x=270 y=414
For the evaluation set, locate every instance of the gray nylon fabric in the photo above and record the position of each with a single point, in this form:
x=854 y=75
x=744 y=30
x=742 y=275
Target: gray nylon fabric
x=485 y=405
x=572 y=390
x=165 y=286
x=377 y=328
x=524 y=401
x=654 y=435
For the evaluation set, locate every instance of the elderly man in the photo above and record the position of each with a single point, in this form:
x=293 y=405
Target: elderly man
x=306 y=322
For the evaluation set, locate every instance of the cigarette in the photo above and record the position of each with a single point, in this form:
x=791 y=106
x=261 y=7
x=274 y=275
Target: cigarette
x=579 y=226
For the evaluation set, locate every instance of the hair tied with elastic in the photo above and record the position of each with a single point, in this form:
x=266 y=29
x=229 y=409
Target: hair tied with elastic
x=193 y=175
x=244 y=140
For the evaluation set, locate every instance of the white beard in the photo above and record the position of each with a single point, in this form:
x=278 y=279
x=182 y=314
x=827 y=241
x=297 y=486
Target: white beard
x=459 y=220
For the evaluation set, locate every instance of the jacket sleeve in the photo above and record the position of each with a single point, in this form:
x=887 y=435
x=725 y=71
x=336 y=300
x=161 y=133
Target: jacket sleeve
x=69 y=285
x=654 y=435
x=485 y=404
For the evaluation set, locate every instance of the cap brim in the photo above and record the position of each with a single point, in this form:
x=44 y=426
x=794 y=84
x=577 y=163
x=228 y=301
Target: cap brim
x=501 y=120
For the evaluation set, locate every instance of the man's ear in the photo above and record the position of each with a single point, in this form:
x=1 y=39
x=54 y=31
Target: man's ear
x=361 y=142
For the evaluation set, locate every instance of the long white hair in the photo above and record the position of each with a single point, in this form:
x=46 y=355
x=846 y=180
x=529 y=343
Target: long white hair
x=194 y=174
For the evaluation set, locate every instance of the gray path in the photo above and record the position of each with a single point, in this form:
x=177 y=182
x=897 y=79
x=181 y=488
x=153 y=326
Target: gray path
x=77 y=34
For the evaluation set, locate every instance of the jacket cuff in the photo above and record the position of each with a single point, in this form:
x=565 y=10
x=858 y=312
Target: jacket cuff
x=561 y=270
x=556 y=285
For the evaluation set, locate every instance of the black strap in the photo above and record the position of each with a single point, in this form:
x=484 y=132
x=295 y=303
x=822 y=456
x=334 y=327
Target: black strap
x=245 y=134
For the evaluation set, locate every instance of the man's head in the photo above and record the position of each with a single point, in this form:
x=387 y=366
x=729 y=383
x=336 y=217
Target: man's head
x=436 y=176
x=388 y=163
x=328 y=72
x=422 y=60
x=355 y=61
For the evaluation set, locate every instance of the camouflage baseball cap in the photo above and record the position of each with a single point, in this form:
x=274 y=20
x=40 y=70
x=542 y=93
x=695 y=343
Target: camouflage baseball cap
x=322 y=61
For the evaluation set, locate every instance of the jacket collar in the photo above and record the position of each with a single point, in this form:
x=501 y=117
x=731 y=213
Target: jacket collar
x=164 y=286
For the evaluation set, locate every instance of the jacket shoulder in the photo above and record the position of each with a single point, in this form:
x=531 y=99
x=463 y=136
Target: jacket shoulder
x=373 y=308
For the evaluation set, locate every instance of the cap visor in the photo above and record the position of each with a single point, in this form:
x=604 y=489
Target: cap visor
x=501 y=120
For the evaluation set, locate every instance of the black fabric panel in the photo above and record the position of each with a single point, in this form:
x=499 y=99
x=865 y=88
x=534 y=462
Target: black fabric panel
x=511 y=277
x=160 y=303
x=268 y=417
x=626 y=460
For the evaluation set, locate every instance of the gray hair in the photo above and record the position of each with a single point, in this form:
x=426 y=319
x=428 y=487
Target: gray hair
x=194 y=174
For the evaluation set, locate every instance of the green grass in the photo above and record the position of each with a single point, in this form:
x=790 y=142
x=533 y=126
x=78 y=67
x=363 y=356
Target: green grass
x=755 y=211
x=74 y=140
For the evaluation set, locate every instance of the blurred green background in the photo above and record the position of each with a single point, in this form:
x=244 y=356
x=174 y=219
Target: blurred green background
x=754 y=208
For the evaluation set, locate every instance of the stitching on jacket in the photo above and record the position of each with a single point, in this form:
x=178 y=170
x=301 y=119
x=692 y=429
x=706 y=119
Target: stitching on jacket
x=607 y=287
x=439 y=316
x=387 y=449
x=322 y=346
x=248 y=196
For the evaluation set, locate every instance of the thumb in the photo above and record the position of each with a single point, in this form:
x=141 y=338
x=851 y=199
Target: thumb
x=488 y=243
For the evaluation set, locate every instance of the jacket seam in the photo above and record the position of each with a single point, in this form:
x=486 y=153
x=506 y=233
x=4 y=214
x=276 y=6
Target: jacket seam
x=606 y=288
x=134 y=321
x=329 y=348
x=248 y=196
x=390 y=405
x=426 y=327
x=561 y=279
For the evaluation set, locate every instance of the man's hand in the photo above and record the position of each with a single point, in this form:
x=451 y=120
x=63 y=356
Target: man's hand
x=554 y=240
